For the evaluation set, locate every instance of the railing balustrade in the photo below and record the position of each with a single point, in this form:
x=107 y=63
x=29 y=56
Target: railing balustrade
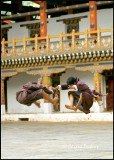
x=32 y=47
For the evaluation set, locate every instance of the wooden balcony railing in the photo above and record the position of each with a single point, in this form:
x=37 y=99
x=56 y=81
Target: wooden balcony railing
x=32 y=47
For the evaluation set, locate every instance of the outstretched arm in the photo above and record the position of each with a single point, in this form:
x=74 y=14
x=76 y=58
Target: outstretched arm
x=54 y=88
x=65 y=87
x=60 y=87
x=105 y=94
x=74 y=87
x=48 y=91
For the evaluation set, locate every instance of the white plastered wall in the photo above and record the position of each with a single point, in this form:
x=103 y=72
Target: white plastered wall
x=17 y=32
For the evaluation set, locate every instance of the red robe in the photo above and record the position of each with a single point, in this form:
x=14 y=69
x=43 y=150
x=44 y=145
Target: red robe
x=31 y=92
x=87 y=98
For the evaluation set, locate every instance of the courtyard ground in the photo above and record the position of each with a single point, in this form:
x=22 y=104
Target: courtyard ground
x=56 y=140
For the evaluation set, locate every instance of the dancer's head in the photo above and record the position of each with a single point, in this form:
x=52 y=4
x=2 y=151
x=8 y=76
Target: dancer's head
x=40 y=81
x=72 y=81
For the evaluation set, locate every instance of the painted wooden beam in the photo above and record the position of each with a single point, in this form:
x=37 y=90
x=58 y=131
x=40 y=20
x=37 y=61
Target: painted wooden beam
x=37 y=2
x=54 y=10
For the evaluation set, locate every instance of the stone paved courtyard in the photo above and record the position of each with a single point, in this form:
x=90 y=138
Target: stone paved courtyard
x=66 y=140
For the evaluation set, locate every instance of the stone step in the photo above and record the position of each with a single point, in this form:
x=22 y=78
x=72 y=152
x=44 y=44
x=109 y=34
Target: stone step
x=59 y=117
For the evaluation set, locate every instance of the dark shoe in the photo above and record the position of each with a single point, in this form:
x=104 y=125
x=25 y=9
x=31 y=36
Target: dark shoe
x=86 y=111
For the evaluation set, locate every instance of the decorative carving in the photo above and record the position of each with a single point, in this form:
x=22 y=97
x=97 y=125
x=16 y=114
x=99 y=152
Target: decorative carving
x=8 y=74
x=46 y=72
x=97 y=82
x=2 y=91
x=22 y=69
x=94 y=69
x=69 y=66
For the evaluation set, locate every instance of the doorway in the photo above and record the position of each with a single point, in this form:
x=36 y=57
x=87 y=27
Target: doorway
x=5 y=93
x=109 y=88
x=55 y=82
x=109 y=98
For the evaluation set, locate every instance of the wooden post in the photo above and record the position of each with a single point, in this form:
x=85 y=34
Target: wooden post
x=99 y=37
x=3 y=47
x=24 y=46
x=13 y=46
x=86 y=38
x=112 y=35
x=43 y=19
x=61 y=41
x=47 y=42
x=93 y=17
x=73 y=39
x=36 y=44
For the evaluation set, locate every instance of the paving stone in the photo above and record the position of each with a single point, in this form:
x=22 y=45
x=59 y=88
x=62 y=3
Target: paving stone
x=66 y=140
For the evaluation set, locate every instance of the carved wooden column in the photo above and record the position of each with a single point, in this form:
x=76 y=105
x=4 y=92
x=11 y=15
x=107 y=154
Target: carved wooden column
x=46 y=82
x=47 y=105
x=97 y=82
x=2 y=97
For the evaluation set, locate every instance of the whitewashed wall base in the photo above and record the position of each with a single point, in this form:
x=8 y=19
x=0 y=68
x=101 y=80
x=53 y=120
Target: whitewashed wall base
x=48 y=108
x=2 y=109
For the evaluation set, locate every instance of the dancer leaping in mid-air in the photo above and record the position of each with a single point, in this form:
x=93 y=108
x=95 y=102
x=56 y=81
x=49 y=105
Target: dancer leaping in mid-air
x=80 y=95
x=33 y=91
